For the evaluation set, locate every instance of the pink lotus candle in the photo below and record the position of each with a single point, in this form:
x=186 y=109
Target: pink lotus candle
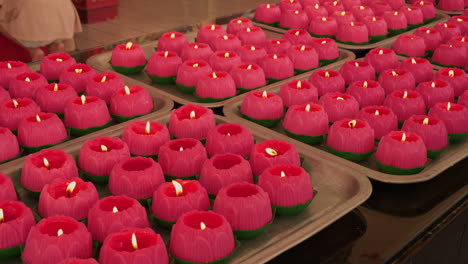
x=248 y=76
x=380 y=7
x=86 y=114
x=40 y=131
x=286 y=5
x=182 y=158
x=271 y=153
x=215 y=86
x=454 y=5
x=421 y=69
x=432 y=38
x=54 y=64
x=247 y=207
x=196 y=51
x=315 y=10
x=277 y=67
x=348 y=4
x=238 y=23
x=405 y=103
x=223 y=170
x=267 y=14
x=9 y=70
x=396 y=79
x=137 y=177
x=401 y=152
x=305 y=3
x=134 y=246
x=145 y=138
x=460 y=41
x=252 y=53
x=104 y=85
x=173 y=199
x=355 y=70
x=343 y=17
x=427 y=8
x=377 y=28
x=455 y=118
x=327 y=81
x=54 y=97
x=326 y=49
x=431 y=130
x=295 y=19
x=26 y=85
x=450 y=55
x=203 y=227
x=7 y=190
x=447 y=30
x=191 y=121
x=113 y=214
x=382 y=59
x=396 y=4
x=339 y=106
x=224 y=61
x=163 y=66
x=172 y=41
x=463 y=99
x=45 y=166
x=277 y=45
x=128 y=58
x=414 y=16
x=297 y=36
x=98 y=156
x=303 y=57
x=298 y=92
x=252 y=36
x=130 y=102
x=410 y=45
x=16 y=221
x=10 y=149
x=69 y=197
x=229 y=138
x=353 y=33
x=289 y=188
x=367 y=92
x=4 y=95
x=306 y=122
x=77 y=76
x=207 y=33
x=334 y=6
x=323 y=27
x=14 y=110
x=435 y=91
x=262 y=107
x=361 y=11
x=57 y=238
x=188 y=74
x=456 y=77
x=380 y=118
x=228 y=42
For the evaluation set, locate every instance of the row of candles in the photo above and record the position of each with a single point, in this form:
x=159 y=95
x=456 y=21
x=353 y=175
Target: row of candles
x=121 y=223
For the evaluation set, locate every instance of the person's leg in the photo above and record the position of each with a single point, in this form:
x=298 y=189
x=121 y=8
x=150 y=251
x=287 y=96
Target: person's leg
x=36 y=53
x=57 y=46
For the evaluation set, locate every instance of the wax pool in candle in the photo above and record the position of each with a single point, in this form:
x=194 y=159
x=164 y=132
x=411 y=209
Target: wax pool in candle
x=457 y=78
x=191 y=121
x=224 y=169
x=273 y=152
x=26 y=85
x=54 y=64
x=145 y=138
x=128 y=58
x=237 y=24
x=16 y=220
x=188 y=74
x=86 y=114
x=380 y=118
x=7 y=190
x=208 y=32
x=70 y=197
x=41 y=130
x=397 y=79
x=306 y=122
x=251 y=53
x=451 y=55
x=339 y=106
x=432 y=38
x=262 y=107
x=163 y=66
x=382 y=59
x=298 y=36
x=277 y=67
x=248 y=76
x=10 y=69
x=10 y=147
x=298 y=92
x=353 y=32
x=455 y=118
x=14 y=110
x=252 y=36
x=172 y=41
x=196 y=51
x=405 y=103
x=432 y=131
x=267 y=13
x=421 y=69
x=355 y=70
x=215 y=86
x=327 y=81
x=224 y=61
x=77 y=76
x=57 y=238
x=54 y=97
x=226 y=42
x=114 y=214
x=130 y=102
x=46 y=166
x=410 y=45
x=104 y=85
x=229 y=138
x=367 y=92
x=435 y=91
x=377 y=28
x=295 y=19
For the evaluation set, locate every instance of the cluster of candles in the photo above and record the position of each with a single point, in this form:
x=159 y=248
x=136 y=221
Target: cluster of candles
x=446 y=44
x=353 y=109
x=223 y=62
x=39 y=113
x=351 y=22
x=452 y=5
x=241 y=209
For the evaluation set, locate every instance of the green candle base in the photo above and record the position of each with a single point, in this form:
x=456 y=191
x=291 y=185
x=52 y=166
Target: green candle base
x=211 y=100
x=356 y=157
x=413 y=26
x=162 y=80
x=353 y=43
x=292 y=210
x=321 y=36
x=244 y=90
x=154 y=157
x=432 y=154
x=393 y=32
x=457 y=137
x=60 y=115
x=32 y=193
x=274 y=24
x=377 y=38
x=186 y=89
x=446 y=66
x=78 y=132
x=121 y=119
x=53 y=81
x=165 y=224
x=311 y=140
x=29 y=150
x=273 y=80
x=94 y=178
x=13 y=252
x=169 y=177
x=8 y=160
x=398 y=171
x=263 y=122
x=429 y=20
x=144 y=201
x=249 y=234
x=128 y=70
x=219 y=261
x=299 y=71
x=429 y=53
x=326 y=62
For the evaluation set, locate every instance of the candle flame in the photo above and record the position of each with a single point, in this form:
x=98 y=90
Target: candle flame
x=317 y=6
x=297 y=33
x=462 y=39
x=459 y=20
x=59 y=60
x=428 y=31
x=374 y=19
x=381 y=52
x=213 y=27
x=252 y=47
x=38 y=119
x=352 y=23
x=296 y=12
x=365 y=84
x=249 y=67
x=202 y=226
x=239 y=21
x=265 y=94
x=451 y=73
x=352 y=123
x=214 y=75
x=104 y=78
x=335 y=3
x=9 y=65
x=377 y=112
x=27 y=79
x=78 y=70
x=268 y=6
x=46 y=162
x=195 y=65
x=413 y=61
x=403 y=137
x=166 y=53
x=2 y=218
x=195 y=47
x=115 y=210
x=83 y=99
x=324 y=19
x=271 y=152
x=178 y=188
x=362 y=7
x=226 y=55
x=323 y=42
x=445 y=25
x=229 y=134
x=449 y=106
x=15 y=103
x=129 y=45
x=134 y=241
x=181 y=149
x=405 y=95
x=71 y=187
x=421 y=3
x=148 y=127
x=172 y=36
x=192 y=114
x=59 y=232
x=307 y=108
x=395 y=13
x=302 y=47
x=248 y=29
x=394 y=73
x=225 y=37
x=327 y=74
x=356 y=64
x=104 y=148
x=275 y=56
x=56 y=88
x=343 y=13
x=278 y=42
x=426 y=121
x=339 y=98
x=433 y=84
x=282 y=174
x=299 y=85
x=127 y=90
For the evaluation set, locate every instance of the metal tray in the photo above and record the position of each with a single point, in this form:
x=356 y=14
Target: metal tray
x=453 y=154
x=101 y=62
x=340 y=190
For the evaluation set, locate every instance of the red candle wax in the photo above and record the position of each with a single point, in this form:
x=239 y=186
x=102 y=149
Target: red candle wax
x=286 y=5
x=217 y=85
x=413 y=14
x=54 y=64
x=460 y=41
x=354 y=32
x=134 y=246
x=380 y=118
x=4 y=95
x=128 y=55
x=248 y=76
x=355 y=70
x=190 y=71
x=298 y=92
x=267 y=13
x=463 y=99
x=401 y=149
x=145 y=138
x=26 y=85
x=397 y=79
x=224 y=60
x=191 y=121
x=297 y=36
x=207 y=33
x=173 y=199
x=41 y=129
x=287 y=185
x=10 y=69
x=131 y=101
x=432 y=131
x=104 y=85
x=376 y=26
x=229 y=138
x=339 y=106
x=204 y=228
x=306 y=119
x=323 y=26
x=57 y=238
x=446 y=5
x=454 y=116
x=435 y=91
x=7 y=189
x=295 y=19
x=10 y=147
x=304 y=57
x=69 y=197
x=238 y=23
x=367 y=92
x=252 y=53
x=277 y=45
x=262 y=105
x=326 y=48
x=252 y=36
x=427 y=8
x=315 y=10
x=457 y=78
x=382 y=59
x=182 y=158
x=14 y=110
x=114 y=214
x=447 y=30
x=421 y=69
x=380 y=7
x=327 y=81
x=351 y=135
x=164 y=64
x=196 y=51
x=54 y=97
x=450 y=55
x=15 y=222
x=46 y=166
x=343 y=17
x=273 y=152
x=410 y=45
x=223 y=170
x=405 y=103
x=86 y=112
x=245 y=205
x=361 y=11
x=333 y=6
x=78 y=261
x=432 y=38
x=226 y=42
x=396 y=4
x=172 y=41
x=277 y=66
x=77 y=76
